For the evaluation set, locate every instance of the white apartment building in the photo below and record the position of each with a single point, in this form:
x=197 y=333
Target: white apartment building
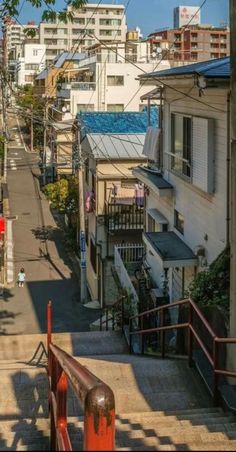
x=31 y=63
x=108 y=81
x=16 y=36
x=105 y=22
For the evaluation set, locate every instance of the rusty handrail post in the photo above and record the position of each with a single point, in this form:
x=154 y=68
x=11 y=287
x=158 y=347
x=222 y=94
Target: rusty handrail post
x=190 y=336
x=52 y=389
x=61 y=398
x=162 y=334
x=99 y=419
x=215 y=375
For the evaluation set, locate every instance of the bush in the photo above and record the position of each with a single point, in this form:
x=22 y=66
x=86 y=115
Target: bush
x=211 y=287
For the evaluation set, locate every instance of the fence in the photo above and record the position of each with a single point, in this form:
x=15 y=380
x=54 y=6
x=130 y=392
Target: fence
x=127 y=254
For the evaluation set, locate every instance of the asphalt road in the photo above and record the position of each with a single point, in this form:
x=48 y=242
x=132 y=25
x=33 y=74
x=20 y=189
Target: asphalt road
x=38 y=247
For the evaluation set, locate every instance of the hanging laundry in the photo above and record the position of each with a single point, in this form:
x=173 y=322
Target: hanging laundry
x=114 y=190
x=139 y=194
x=89 y=201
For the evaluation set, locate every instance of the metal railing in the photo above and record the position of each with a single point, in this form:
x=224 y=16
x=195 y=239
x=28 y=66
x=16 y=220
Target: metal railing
x=96 y=397
x=113 y=316
x=120 y=216
x=195 y=322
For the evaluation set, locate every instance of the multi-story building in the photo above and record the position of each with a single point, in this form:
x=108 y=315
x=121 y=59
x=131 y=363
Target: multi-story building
x=184 y=14
x=107 y=80
x=16 y=35
x=193 y=43
x=105 y=22
x=31 y=63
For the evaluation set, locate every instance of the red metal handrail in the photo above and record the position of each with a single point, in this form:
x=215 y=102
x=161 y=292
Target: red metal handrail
x=193 y=308
x=96 y=397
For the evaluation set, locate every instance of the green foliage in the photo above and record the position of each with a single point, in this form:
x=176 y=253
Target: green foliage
x=63 y=195
x=27 y=100
x=10 y=8
x=211 y=287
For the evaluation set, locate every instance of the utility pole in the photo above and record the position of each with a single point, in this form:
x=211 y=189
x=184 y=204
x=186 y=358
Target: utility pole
x=233 y=176
x=45 y=141
x=31 y=130
x=82 y=241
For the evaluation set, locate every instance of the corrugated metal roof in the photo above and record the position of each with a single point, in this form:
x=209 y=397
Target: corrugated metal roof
x=59 y=61
x=117 y=123
x=43 y=74
x=218 y=68
x=117 y=146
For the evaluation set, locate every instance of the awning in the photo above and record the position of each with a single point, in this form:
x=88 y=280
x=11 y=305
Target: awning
x=170 y=249
x=151 y=146
x=153 y=180
x=153 y=94
x=157 y=216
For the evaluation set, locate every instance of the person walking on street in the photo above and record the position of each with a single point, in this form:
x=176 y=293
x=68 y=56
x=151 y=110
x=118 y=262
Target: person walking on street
x=21 y=277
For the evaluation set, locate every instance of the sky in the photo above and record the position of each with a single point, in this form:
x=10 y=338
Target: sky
x=149 y=15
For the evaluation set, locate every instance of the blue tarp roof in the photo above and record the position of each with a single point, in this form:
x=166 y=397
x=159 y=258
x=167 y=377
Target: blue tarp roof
x=218 y=68
x=117 y=123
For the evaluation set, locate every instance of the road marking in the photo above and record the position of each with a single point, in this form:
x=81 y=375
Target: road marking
x=9 y=253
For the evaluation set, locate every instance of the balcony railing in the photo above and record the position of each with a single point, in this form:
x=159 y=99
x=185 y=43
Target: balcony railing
x=123 y=217
x=81 y=86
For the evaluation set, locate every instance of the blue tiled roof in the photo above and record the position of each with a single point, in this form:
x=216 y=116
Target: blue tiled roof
x=218 y=68
x=117 y=123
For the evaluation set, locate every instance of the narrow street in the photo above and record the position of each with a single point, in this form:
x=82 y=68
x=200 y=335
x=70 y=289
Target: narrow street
x=38 y=248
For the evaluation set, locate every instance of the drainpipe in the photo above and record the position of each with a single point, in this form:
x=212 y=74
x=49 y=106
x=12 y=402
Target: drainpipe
x=161 y=129
x=228 y=171
x=149 y=111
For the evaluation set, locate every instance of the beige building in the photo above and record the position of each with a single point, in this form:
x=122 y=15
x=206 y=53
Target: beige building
x=113 y=202
x=106 y=22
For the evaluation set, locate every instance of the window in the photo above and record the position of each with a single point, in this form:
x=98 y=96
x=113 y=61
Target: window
x=115 y=80
x=85 y=107
x=93 y=255
x=79 y=20
x=181 y=134
x=115 y=107
x=32 y=67
x=29 y=78
x=35 y=52
x=179 y=222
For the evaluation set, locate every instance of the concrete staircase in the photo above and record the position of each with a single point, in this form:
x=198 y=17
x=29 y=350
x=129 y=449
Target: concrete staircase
x=160 y=405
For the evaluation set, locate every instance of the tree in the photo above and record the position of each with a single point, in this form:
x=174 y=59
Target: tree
x=34 y=105
x=10 y=8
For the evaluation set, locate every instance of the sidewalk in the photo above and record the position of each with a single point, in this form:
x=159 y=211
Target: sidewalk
x=39 y=249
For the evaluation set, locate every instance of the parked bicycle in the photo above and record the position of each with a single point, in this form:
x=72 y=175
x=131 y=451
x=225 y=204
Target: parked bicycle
x=142 y=274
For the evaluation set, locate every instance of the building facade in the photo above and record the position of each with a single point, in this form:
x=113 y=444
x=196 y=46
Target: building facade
x=187 y=202
x=30 y=64
x=106 y=22
x=194 y=43
x=107 y=80
x=184 y=14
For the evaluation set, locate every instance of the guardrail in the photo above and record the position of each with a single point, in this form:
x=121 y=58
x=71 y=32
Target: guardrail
x=96 y=397
x=190 y=325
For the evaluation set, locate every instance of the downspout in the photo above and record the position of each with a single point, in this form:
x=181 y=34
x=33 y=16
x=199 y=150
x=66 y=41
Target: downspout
x=161 y=130
x=228 y=171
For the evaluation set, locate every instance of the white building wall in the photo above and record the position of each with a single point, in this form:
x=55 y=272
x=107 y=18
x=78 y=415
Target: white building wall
x=34 y=54
x=105 y=95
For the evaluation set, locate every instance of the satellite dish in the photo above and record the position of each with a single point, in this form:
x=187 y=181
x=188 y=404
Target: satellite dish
x=158 y=50
x=64 y=109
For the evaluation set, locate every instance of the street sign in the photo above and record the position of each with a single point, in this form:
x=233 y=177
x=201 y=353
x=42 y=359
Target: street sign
x=82 y=242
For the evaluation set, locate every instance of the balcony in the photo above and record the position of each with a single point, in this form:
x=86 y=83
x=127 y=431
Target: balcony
x=123 y=217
